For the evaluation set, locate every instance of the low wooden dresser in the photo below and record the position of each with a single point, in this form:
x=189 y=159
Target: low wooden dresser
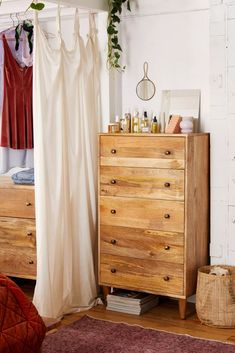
x=153 y=212
x=17 y=229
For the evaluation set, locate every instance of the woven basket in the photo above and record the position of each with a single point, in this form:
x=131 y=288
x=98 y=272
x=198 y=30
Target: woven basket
x=215 y=297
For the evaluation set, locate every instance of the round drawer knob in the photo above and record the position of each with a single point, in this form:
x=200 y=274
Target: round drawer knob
x=167 y=247
x=113 y=181
x=113 y=151
x=113 y=241
x=113 y=270
x=31 y=262
x=28 y=204
x=113 y=211
x=166 y=278
x=166 y=215
x=29 y=234
x=167 y=185
x=167 y=153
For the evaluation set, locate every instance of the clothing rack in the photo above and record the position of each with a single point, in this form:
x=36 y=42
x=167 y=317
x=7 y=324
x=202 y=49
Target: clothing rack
x=44 y=15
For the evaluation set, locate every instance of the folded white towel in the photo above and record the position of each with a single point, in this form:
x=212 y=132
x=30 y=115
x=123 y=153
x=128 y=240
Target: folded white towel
x=219 y=271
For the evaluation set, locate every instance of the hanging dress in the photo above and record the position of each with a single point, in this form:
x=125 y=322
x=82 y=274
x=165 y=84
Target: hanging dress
x=9 y=157
x=65 y=175
x=17 y=118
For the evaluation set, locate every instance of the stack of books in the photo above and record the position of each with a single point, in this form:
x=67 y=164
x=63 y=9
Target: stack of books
x=131 y=302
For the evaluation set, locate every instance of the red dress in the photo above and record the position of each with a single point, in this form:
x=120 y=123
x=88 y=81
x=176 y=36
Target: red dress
x=17 y=112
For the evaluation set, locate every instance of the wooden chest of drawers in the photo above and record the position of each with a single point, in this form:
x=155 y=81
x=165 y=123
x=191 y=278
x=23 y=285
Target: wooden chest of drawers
x=17 y=229
x=153 y=212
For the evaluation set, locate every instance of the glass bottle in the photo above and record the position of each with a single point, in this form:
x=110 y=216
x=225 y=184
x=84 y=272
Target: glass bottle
x=135 y=124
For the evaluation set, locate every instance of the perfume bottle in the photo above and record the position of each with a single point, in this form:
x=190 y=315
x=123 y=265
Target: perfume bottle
x=122 y=124
x=135 y=123
x=127 y=122
x=145 y=123
x=154 y=126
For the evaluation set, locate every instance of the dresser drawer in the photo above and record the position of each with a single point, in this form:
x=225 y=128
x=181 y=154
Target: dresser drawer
x=142 y=151
x=142 y=213
x=17 y=203
x=18 y=261
x=150 y=183
x=142 y=244
x=17 y=232
x=147 y=275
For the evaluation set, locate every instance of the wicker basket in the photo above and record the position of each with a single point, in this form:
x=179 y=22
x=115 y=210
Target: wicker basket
x=215 y=297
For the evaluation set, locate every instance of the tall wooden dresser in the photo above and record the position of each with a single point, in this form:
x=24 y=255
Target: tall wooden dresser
x=17 y=229
x=153 y=212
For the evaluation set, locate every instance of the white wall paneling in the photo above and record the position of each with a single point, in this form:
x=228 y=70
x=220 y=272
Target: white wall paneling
x=231 y=90
x=219 y=224
x=217 y=13
x=217 y=69
x=216 y=2
x=219 y=152
x=222 y=126
x=231 y=152
x=231 y=242
x=153 y=7
x=231 y=12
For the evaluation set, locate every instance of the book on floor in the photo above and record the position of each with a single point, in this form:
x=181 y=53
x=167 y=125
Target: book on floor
x=131 y=302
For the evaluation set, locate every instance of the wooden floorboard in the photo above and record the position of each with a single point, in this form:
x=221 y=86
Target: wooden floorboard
x=163 y=317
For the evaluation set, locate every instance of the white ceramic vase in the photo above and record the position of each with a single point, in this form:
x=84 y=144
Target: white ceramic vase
x=186 y=125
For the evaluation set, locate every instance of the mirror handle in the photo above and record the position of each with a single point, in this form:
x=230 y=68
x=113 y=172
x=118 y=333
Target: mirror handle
x=145 y=69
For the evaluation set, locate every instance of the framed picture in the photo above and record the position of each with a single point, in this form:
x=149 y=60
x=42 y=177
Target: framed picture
x=184 y=103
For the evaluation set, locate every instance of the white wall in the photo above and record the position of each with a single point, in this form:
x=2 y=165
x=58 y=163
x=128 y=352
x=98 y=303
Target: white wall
x=222 y=127
x=173 y=37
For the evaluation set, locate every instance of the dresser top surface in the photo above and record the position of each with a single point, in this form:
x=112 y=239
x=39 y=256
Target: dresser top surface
x=7 y=183
x=155 y=135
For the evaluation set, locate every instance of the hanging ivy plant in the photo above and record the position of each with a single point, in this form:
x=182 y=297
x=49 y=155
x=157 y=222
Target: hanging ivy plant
x=37 y=6
x=114 y=48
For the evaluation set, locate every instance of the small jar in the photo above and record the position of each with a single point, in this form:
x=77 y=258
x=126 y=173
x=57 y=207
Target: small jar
x=186 y=125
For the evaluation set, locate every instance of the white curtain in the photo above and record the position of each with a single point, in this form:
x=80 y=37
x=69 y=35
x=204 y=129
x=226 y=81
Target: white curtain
x=66 y=122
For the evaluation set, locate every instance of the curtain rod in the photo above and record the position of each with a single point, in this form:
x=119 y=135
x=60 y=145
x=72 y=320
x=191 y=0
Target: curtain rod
x=44 y=14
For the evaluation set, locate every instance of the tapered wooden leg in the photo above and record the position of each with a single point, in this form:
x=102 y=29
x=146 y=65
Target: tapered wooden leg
x=182 y=308
x=106 y=291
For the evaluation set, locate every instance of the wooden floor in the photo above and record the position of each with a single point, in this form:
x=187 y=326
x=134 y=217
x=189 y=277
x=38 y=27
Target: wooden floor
x=163 y=317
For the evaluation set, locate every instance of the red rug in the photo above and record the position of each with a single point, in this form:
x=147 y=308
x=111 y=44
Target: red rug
x=89 y=335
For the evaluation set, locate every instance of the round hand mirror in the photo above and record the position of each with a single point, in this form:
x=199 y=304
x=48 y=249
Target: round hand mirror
x=145 y=89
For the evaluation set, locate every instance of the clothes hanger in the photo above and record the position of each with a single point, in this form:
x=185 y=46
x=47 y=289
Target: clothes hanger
x=10 y=38
x=11 y=17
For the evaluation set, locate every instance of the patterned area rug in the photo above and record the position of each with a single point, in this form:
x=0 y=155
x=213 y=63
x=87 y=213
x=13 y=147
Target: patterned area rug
x=89 y=335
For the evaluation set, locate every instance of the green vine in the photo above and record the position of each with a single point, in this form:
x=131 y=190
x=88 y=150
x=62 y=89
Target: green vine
x=114 y=48
x=37 y=6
